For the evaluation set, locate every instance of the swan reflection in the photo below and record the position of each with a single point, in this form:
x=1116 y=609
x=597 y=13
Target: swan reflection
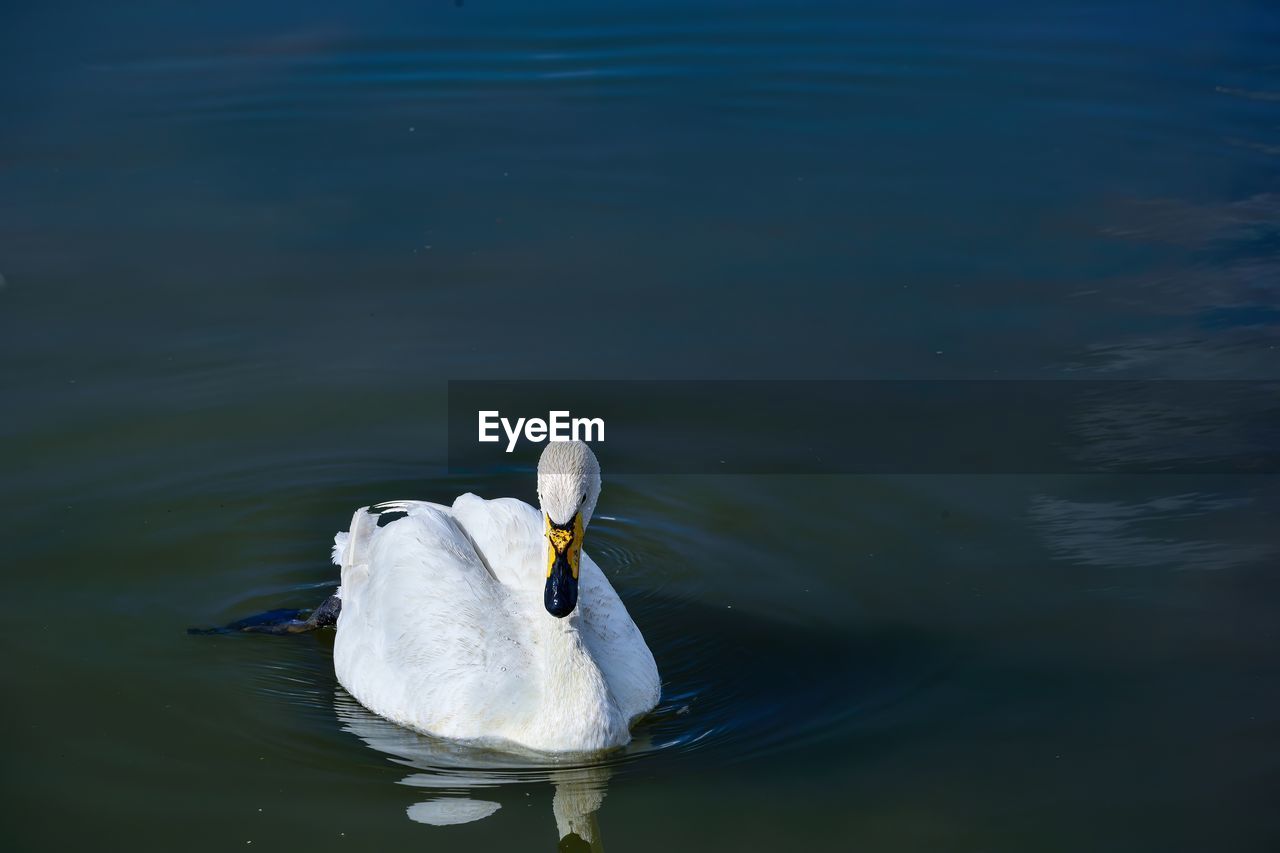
x=456 y=777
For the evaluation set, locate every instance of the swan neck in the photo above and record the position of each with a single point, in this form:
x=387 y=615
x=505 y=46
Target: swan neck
x=577 y=702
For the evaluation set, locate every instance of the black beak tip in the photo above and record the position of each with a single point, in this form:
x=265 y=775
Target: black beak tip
x=561 y=596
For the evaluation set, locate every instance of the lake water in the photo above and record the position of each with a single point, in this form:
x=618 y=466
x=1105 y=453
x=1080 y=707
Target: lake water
x=244 y=248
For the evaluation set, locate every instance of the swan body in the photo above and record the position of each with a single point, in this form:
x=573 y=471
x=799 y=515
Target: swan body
x=449 y=619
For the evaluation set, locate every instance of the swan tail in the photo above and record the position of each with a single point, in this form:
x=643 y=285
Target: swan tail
x=351 y=549
x=350 y=546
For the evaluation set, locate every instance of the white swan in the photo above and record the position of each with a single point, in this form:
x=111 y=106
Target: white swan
x=486 y=622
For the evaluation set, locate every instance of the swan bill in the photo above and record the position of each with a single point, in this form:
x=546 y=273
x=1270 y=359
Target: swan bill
x=561 y=593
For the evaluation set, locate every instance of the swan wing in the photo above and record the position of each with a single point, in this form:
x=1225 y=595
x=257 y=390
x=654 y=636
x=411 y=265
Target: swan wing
x=508 y=535
x=616 y=644
x=426 y=636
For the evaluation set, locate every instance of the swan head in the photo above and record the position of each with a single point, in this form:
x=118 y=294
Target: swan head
x=568 y=486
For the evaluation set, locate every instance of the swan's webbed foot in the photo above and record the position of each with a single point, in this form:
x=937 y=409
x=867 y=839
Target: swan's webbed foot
x=282 y=621
x=324 y=616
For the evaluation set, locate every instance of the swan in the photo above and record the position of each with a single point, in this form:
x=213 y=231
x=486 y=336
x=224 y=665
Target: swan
x=486 y=622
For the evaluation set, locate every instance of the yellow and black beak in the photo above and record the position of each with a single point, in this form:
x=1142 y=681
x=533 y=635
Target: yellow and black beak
x=561 y=594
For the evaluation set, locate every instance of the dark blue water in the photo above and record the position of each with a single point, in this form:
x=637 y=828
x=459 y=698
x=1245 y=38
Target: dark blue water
x=244 y=247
